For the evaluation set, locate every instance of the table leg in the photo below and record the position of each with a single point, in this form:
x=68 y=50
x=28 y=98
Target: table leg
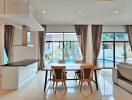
x=50 y=74
x=96 y=81
x=45 y=83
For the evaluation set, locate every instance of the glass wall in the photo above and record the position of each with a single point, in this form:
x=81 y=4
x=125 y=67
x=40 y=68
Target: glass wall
x=115 y=48
x=62 y=47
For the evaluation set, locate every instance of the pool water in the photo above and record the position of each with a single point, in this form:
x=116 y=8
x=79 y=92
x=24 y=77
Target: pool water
x=101 y=61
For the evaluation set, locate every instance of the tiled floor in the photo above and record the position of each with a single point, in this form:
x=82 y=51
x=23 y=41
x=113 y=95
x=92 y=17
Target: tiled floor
x=34 y=90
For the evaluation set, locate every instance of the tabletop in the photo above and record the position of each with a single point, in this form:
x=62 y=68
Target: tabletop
x=69 y=67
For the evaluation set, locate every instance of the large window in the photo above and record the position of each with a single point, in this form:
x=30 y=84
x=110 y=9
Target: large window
x=62 y=46
x=115 y=48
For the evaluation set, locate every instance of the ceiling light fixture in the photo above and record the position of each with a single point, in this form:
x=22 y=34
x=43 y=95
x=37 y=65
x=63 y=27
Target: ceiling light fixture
x=44 y=12
x=116 y=11
x=79 y=11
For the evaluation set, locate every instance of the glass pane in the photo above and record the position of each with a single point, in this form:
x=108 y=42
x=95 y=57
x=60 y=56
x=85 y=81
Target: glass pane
x=108 y=48
x=106 y=55
x=119 y=52
x=72 y=51
x=128 y=53
x=121 y=37
x=62 y=46
x=107 y=36
x=122 y=50
x=57 y=52
x=48 y=52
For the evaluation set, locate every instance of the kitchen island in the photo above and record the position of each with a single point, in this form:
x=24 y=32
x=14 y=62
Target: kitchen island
x=17 y=74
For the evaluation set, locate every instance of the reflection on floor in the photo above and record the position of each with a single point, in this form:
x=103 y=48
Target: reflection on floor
x=34 y=90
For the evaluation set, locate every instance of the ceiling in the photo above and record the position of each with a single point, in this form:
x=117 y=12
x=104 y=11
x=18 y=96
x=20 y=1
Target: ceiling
x=65 y=12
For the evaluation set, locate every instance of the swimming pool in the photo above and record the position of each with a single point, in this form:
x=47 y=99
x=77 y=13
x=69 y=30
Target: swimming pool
x=106 y=62
x=100 y=61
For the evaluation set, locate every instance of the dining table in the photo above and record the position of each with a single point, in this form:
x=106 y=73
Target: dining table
x=69 y=67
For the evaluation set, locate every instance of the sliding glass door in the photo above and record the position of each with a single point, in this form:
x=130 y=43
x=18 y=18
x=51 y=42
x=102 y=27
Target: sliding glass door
x=115 y=48
x=62 y=47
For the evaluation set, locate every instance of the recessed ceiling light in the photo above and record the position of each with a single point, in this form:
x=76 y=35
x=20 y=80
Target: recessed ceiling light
x=79 y=11
x=44 y=12
x=116 y=11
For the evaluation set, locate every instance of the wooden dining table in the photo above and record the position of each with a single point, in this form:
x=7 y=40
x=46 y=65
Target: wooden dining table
x=69 y=67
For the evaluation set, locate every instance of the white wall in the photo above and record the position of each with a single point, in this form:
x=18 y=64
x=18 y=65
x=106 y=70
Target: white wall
x=60 y=28
x=114 y=28
x=25 y=52
x=17 y=36
x=70 y=28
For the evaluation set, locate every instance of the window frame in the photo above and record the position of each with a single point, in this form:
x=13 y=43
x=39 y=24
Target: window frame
x=63 y=42
x=114 y=41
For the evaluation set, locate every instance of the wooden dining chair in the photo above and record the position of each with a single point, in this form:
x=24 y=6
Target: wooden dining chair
x=58 y=76
x=86 y=75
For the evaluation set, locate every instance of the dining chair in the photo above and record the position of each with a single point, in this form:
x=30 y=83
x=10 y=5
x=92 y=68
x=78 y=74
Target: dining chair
x=58 y=76
x=86 y=75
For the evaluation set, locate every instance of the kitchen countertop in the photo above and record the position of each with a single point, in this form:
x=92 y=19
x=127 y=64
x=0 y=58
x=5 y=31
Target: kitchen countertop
x=23 y=63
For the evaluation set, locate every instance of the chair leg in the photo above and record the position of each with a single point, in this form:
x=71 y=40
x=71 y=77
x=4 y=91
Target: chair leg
x=65 y=86
x=56 y=87
x=80 y=86
x=75 y=77
x=89 y=83
x=79 y=82
x=53 y=86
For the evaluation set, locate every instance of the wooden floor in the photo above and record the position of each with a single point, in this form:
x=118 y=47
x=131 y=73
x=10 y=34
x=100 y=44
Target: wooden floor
x=34 y=90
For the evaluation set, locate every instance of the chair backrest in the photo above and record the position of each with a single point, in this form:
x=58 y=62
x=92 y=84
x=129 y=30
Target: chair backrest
x=58 y=72
x=87 y=71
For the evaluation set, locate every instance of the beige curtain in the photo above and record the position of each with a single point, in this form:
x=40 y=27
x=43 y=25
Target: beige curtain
x=129 y=31
x=42 y=36
x=81 y=31
x=96 y=37
x=8 y=41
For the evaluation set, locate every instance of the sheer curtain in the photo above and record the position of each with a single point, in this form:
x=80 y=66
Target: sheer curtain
x=96 y=37
x=42 y=36
x=8 y=41
x=81 y=31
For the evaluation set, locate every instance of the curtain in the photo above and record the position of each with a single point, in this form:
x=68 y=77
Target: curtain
x=42 y=36
x=81 y=31
x=96 y=37
x=8 y=41
x=129 y=31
